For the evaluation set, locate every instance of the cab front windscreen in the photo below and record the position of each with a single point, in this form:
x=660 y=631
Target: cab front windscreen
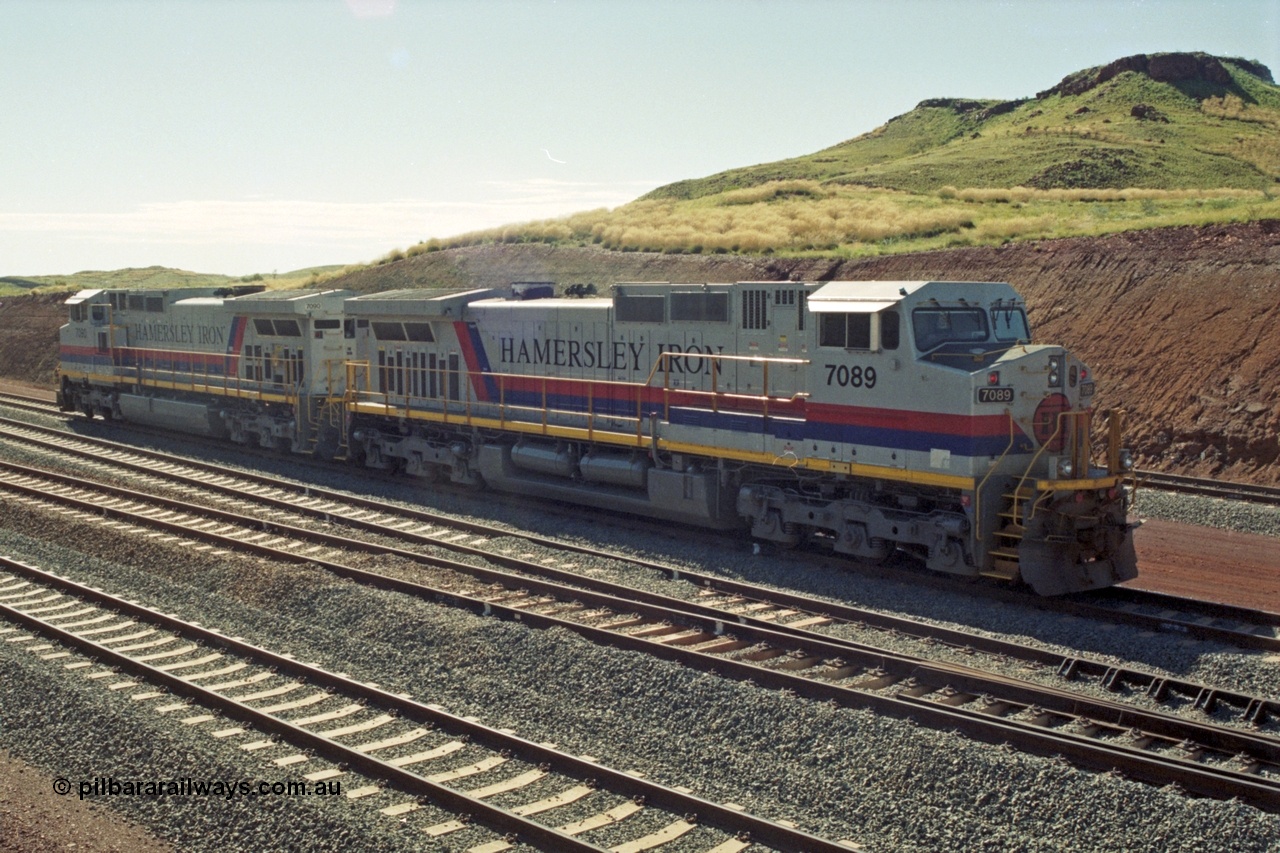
x=934 y=327
x=1010 y=324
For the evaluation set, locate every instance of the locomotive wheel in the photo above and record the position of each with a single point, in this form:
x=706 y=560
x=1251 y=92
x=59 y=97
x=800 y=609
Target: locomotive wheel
x=88 y=410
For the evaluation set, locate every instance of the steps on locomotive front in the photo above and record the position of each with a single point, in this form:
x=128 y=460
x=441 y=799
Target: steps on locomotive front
x=1005 y=564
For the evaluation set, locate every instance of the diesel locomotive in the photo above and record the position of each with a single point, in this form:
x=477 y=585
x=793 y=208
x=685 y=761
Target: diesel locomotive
x=867 y=417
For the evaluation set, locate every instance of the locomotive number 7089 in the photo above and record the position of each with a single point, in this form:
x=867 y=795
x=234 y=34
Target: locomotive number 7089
x=848 y=376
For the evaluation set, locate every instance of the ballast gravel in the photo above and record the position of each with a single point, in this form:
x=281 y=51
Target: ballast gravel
x=1250 y=674
x=842 y=773
x=1241 y=516
x=886 y=783
x=82 y=732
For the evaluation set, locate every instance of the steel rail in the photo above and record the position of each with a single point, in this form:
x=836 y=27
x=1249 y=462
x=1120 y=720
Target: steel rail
x=453 y=801
x=567 y=586
x=1112 y=677
x=1226 y=489
x=1196 y=778
x=565 y=583
x=1262 y=628
x=31 y=404
x=715 y=814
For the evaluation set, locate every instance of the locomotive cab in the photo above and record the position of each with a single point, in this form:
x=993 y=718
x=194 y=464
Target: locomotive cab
x=955 y=438
x=1044 y=510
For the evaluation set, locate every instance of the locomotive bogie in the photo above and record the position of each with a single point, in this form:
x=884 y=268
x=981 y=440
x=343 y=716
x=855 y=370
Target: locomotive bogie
x=866 y=417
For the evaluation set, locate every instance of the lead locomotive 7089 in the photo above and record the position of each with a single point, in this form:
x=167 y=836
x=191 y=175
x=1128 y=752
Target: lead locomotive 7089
x=867 y=417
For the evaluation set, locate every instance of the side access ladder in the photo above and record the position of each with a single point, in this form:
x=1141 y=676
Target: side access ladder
x=326 y=423
x=1005 y=562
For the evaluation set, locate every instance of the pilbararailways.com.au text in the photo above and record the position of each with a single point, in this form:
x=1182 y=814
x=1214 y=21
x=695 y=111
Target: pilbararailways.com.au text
x=228 y=789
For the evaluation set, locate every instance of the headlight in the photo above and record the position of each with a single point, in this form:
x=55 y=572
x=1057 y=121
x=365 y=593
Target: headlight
x=1055 y=371
x=1126 y=459
x=1064 y=469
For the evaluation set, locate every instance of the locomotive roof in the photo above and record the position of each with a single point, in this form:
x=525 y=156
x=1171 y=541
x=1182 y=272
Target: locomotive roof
x=523 y=305
x=287 y=301
x=417 y=302
x=871 y=296
x=287 y=295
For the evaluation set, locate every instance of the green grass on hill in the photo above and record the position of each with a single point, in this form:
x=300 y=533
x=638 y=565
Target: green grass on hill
x=1123 y=152
x=1192 y=134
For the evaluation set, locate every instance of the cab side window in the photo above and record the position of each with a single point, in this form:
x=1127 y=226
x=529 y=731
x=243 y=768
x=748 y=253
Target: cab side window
x=846 y=331
x=889 y=329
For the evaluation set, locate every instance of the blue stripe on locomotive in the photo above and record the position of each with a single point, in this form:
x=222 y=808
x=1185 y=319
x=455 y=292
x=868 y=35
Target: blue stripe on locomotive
x=780 y=427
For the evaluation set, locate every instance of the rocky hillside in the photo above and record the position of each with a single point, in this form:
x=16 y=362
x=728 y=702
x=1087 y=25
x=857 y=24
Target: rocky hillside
x=1166 y=120
x=1181 y=325
x=29 y=336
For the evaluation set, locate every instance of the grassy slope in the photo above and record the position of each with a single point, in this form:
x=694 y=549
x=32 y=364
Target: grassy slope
x=151 y=278
x=959 y=173
x=1216 y=136
x=926 y=128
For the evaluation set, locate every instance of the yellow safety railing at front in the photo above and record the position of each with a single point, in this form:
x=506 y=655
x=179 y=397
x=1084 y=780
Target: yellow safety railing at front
x=1072 y=434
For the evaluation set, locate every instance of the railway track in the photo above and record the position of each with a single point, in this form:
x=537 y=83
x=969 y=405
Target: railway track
x=343 y=727
x=1152 y=611
x=29 y=404
x=754 y=641
x=1212 y=488
x=1211 y=621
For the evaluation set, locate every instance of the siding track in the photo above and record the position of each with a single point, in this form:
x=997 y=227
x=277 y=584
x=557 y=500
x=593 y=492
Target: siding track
x=1203 y=758
x=1208 y=621
x=352 y=726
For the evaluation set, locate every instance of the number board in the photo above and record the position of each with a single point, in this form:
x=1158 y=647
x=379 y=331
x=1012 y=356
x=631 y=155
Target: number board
x=995 y=395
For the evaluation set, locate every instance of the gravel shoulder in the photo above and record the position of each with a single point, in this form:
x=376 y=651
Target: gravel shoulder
x=33 y=819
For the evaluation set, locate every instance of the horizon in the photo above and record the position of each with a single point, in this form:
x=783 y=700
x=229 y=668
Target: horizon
x=254 y=137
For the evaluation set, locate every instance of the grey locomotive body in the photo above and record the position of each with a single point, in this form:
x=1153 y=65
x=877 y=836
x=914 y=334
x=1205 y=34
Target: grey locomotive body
x=865 y=416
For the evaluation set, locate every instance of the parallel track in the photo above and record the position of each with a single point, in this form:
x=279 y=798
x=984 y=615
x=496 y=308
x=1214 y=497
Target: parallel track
x=1204 y=759
x=1213 y=488
x=29 y=404
x=1153 y=611
x=108 y=630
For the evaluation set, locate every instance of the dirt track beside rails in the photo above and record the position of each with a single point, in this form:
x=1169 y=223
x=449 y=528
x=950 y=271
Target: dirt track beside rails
x=1242 y=569
x=1180 y=325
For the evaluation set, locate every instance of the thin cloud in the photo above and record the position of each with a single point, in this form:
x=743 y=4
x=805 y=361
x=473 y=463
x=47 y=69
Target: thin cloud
x=372 y=8
x=277 y=221
x=257 y=233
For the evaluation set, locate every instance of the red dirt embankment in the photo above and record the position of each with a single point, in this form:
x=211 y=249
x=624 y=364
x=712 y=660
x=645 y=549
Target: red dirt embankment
x=29 y=336
x=1181 y=326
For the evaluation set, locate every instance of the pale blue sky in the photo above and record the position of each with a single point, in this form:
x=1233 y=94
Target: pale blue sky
x=241 y=136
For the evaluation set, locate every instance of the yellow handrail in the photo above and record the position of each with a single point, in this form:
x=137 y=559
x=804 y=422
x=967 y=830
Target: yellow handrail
x=977 y=494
